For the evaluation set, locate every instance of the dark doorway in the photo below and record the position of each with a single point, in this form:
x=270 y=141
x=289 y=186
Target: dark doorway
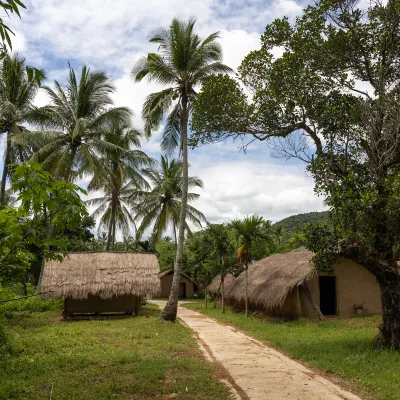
x=327 y=295
x=182 y=291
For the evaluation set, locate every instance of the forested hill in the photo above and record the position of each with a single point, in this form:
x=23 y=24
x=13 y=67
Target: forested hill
x=294 y=222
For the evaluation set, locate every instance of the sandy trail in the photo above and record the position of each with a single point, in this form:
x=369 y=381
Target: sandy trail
x=257 y=371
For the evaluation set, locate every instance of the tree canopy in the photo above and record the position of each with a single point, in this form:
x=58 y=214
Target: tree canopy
x=331 y=100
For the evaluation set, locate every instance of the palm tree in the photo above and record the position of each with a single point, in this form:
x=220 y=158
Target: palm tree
x=182 y=62
x=124 y=175
x=160 y=207
x=222 y=246
x=199 y=262
x=113 y=208
x=247 y=231
x=70 y=143
x=146 y=245
x=128 y=242
x=100 y=242
x=17 y=92
x=279 y=233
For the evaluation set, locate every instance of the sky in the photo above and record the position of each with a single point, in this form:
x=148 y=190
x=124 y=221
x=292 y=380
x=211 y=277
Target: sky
x=110 y=35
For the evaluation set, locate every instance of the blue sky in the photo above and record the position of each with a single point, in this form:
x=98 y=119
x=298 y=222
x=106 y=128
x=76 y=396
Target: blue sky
x=112 y=34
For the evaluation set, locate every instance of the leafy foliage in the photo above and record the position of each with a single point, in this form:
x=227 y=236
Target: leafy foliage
x=247 y=231
x=295 y=223
x=17 y=92
x=45 y=205
x=70 y=142
x=160 y=206
x=182 y=62
x=166 y=251
x=311 y=94
x=25 y=305
x=9 y=7
x=123 y=176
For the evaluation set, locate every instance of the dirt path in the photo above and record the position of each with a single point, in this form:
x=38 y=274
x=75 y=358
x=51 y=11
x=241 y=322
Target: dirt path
x=256 y=370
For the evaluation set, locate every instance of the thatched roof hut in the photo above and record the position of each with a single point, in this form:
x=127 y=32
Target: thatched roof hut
x=171 y=271
x=215 y=286
x=271 y=279
x=288 y=285
x=187 y=286
x=104 y=274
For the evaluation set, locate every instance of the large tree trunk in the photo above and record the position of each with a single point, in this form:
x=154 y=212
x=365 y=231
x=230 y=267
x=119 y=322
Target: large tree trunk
x=5 y=172
x=171 y=308
x=389 y=329
x=387 y=271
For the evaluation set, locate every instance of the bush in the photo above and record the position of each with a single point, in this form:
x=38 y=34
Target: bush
x=30 y=304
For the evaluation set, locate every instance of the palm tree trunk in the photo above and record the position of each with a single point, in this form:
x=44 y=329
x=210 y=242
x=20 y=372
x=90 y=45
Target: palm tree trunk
x=171 y=308
x=247 y=292
x=175 y=237
x=113 y=234
x=5 y=172
x=111 y=226
x=109 y=235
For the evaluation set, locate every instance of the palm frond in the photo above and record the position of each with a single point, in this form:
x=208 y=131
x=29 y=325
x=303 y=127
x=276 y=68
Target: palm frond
x=171 y=137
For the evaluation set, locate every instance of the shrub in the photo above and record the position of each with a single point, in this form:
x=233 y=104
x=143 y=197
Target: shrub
x=30 y=304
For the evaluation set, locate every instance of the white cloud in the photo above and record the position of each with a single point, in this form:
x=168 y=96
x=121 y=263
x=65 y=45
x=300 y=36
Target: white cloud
x=112 y=34
x=42 y=99
x=242 y=186
x=18 y=42
x=237 y=44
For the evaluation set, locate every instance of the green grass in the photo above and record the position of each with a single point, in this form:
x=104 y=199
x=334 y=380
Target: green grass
x=131 y=358
x=341 y=348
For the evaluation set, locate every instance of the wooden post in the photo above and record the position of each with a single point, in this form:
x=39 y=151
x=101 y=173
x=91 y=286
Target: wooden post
x=138 y=303
x=65 y=311
x=306 y=291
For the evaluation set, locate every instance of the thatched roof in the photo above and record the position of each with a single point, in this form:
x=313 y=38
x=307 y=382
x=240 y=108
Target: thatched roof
x=215 y=286
x=171 y=271
x=104 y=273
x=271 y=279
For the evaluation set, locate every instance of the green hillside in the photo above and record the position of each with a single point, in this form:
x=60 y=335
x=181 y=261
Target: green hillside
x=294 y=222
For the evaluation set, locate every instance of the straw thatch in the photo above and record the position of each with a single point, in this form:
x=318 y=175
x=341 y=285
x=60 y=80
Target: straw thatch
x=171 y=271
x=215 y=286
x=105 y=274
x=271 y=279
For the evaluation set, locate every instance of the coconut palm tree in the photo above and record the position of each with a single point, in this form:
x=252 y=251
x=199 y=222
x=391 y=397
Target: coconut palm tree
x=128 y=243
x=160 y=206
x=124 y=175
x=17 y=92
x=71 y=140
x=182 y=62
x=222 y=247
x=247 y=231
x=279 y=234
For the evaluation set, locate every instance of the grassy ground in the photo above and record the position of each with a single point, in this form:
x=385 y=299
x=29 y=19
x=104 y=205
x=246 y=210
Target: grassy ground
x=341 y=348
x=132 y=358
